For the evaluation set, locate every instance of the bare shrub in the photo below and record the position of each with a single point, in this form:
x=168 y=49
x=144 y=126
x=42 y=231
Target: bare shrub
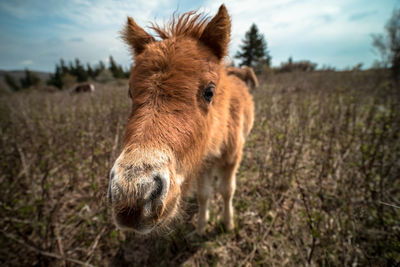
x=303 y=65
x=104 y=76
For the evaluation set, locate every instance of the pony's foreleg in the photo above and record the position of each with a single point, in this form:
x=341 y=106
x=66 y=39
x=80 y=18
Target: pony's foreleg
x=203 y=195
x=227 y=188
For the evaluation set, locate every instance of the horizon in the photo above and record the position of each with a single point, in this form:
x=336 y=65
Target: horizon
x=36 y=35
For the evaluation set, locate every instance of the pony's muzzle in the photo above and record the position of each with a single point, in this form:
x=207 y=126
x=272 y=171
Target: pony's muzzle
x=137 y=201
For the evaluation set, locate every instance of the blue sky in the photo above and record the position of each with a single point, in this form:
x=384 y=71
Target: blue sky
x=36 y=34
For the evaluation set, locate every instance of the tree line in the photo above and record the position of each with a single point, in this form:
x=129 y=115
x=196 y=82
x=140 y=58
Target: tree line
x=29 y=79
x=84 y=73
x=74 y=71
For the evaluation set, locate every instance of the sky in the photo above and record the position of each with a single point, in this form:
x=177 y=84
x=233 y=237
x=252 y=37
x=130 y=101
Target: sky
x=35 y=34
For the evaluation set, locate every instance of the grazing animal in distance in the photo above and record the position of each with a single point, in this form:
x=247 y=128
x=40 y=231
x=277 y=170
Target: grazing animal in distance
x=246 y=74
x=87 y=87
x=189 y=122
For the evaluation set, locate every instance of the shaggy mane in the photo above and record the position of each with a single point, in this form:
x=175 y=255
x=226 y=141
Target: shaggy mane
x=189 y=24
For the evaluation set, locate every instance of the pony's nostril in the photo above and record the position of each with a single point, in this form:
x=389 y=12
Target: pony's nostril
x=129 y=216
x=158 y=188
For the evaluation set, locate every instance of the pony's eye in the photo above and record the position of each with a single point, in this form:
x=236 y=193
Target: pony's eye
x=129 y=93
x=209 y=92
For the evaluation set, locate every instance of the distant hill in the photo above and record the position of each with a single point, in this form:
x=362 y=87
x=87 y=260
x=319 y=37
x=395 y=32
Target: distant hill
x=17 y=75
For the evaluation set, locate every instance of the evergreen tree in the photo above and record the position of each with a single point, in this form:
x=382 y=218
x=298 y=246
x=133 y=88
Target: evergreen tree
x=12 y=82
x=71 y=69
x=254 y=49
x=80 y=72
x=56 y=78
x=63 y=68
x=99 y=68
x=102 y=66
x=116 y=69
x=127 y=72
x=90 y=71
x=30 y=79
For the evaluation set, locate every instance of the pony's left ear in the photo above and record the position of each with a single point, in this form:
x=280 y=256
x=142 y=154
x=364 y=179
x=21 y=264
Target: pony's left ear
x=217 y=33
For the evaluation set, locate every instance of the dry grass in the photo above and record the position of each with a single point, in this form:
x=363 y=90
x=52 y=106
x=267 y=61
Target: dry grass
x=319 y=182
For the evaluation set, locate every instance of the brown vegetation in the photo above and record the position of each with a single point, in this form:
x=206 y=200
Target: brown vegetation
x=303 y=65
x=318 y=182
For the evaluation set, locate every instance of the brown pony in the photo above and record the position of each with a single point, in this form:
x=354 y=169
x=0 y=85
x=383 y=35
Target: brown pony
x=245 y=73
x=188 y=119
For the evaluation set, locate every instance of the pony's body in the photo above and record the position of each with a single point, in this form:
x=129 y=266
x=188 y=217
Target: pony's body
x=245 y=73
x=235 y=120
x=188 y=119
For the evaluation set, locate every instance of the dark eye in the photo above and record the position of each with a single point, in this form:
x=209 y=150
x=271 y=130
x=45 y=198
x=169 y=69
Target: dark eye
x=129 y=93
x=209 y=92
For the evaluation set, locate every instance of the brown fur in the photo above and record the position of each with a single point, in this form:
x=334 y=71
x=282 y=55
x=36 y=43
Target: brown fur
x=169 y=112
x=246 y=74
x=87 y=87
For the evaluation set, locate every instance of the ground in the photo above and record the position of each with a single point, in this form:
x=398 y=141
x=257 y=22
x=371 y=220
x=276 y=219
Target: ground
x=319 y=181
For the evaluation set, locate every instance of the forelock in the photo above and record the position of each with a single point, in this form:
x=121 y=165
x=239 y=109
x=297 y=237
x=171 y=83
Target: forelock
x=189 y=24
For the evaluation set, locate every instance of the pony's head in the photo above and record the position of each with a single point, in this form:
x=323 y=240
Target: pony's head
x=174 y=87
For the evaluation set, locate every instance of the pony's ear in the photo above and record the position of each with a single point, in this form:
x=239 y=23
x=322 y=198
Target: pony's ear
x=217 y=33
x=136 y=37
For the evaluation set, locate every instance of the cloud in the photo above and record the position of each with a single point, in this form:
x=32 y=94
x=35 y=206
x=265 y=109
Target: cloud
x=27 y=62
x=361 y=15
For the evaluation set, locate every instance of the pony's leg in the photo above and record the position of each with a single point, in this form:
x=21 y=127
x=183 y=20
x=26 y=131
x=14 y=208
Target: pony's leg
x=227 y=188
x=203 y=194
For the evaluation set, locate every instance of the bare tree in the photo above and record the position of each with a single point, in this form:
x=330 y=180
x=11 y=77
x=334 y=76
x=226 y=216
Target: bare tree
x=388 y=45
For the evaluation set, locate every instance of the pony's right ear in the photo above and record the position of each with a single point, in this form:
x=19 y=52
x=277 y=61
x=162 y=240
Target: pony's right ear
x=136 y=37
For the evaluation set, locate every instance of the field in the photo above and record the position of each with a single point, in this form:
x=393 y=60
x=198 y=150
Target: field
x=319 y=183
